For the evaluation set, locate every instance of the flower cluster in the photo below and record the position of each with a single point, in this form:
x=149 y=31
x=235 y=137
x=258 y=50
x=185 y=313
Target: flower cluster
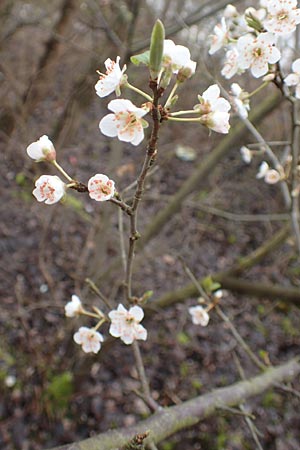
x=51 y=189
x=250 y=39
x=123 y=324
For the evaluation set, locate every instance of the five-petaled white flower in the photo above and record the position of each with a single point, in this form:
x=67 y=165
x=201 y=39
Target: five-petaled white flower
x=220 y=38
x=257 y=52
x=49 y=189
x=89 y=339
x=43 y=149
x=283 y=16
x=112 y=80
x=240 y=100
x=214 y=110
x=126 y=122
x=177 y=57
x=199 y=315
x=293 y=79
x=74 y=307
x=101 y=188
x=126 y=324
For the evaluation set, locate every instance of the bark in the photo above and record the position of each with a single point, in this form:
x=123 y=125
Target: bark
x=170 y=420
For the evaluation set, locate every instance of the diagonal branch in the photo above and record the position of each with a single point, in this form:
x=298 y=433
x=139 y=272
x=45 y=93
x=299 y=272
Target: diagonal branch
x=175 y=418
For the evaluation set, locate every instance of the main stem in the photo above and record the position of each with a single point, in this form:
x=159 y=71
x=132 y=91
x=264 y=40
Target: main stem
x=148 y=161
x=295 y=173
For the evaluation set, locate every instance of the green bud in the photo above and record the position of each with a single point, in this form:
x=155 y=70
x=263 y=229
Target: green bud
x=156 y=49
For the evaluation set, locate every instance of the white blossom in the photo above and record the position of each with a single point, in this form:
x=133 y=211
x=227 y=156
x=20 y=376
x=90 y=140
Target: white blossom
x=112 y=80
x=293 y=79
x=240 y=100
x=101 y=188
x=262 y=170
x=126 y=122
x=246 y=154
x=220 y=38
x=177 y=56
x=49 y=189
x=74 y=307
x=199 y=315
x=255 y=53
x=214 y=110
x=272 y=176
x=126 y=324
x=283 y=16
x=43 y=149
x=89 y=339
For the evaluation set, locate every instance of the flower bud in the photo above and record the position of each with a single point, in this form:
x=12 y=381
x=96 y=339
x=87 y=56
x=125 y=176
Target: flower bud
x=42 y=150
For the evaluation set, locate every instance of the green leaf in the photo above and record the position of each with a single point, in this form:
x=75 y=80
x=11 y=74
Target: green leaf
x=142 y=58
x=156 y=49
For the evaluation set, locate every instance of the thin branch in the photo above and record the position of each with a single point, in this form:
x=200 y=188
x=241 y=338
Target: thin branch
x=143 y=378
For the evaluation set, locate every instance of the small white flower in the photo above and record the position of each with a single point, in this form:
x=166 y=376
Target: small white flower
x=231 y=65
x=214 y=110
x=10 y=381
x=240 y=100
x=126 y=324
x=293 y=79
x=49 y=189
x=177 y=56
x=101 y=188
x=199 y=315
x=126 y=122
x=262 y=170
x=210 y=101
x=112 y=80
x=220 y=38
x=43 y=149
x=283 y=16
x=246 y=154
x=89 y=339
x=74 y=307
x=257 y=52
x=272 y=176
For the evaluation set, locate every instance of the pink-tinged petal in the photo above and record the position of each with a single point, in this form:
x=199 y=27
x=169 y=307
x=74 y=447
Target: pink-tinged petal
x=140 y=333
x=108 y=125
x=115 y=329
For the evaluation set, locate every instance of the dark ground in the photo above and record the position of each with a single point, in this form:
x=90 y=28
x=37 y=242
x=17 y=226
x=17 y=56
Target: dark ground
x=60 y=394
